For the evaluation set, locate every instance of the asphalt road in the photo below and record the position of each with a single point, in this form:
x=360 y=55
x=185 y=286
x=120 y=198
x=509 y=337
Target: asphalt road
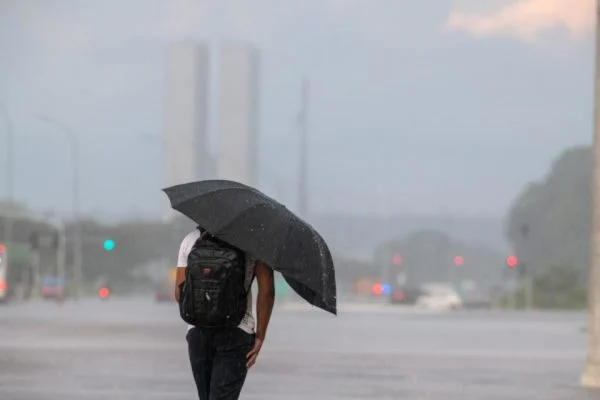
x=135 y=349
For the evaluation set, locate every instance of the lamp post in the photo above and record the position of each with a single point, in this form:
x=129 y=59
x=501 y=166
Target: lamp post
x=75 y=196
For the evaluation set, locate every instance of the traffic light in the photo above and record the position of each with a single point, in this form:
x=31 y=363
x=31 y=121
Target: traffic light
x=109 y=245
x=397 y=259
x=2 y=248
x=512 y=261
x=459 y=260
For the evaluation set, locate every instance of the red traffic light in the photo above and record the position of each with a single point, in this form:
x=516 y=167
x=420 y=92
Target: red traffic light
x=459 y=260
x=2 y=248
x=512 y=261
x=397 y=259
x=103 y=292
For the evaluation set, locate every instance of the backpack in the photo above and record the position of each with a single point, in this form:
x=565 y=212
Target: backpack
x=214 y=293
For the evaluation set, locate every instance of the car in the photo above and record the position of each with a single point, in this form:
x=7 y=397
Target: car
x=52 y=287
x=405 y=295
x=439 y=297
x=164 y=292
x=475 y=298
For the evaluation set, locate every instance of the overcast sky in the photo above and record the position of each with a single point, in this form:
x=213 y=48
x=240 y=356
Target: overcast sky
x=417 y=106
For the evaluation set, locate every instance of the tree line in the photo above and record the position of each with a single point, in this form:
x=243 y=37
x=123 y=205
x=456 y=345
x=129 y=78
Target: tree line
x=548 y=226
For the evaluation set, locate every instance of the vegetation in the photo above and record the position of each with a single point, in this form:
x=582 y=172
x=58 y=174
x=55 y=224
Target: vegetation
x=549 y=227
x=550 y=221
x=559 y=287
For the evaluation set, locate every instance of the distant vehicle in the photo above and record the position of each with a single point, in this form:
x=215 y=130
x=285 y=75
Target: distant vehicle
x=15 y=262
x=363 y=287
x=165 y=289
x=379 y=289
x=474 y=298
x=164 y=293
x=52 y=287
x=406 y=295
x=3 y=274
x=438 y=297
x=429 y=296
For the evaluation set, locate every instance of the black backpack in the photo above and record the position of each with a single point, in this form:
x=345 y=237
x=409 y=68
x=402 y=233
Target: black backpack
x=214 y=293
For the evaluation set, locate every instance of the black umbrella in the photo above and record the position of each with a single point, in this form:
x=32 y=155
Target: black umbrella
x=264 y=228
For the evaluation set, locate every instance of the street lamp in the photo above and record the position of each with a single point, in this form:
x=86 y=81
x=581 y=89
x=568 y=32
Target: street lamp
x=75 y=194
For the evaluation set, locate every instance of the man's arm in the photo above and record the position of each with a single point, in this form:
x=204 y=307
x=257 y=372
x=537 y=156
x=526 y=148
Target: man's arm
x=264 y=306
x=179 y=278
x=265 y=298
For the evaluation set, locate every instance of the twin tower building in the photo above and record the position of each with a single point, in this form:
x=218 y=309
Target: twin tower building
x=190 y=80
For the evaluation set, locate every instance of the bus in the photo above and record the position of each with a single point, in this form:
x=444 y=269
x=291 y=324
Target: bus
x=15 y=269
x=3 y=273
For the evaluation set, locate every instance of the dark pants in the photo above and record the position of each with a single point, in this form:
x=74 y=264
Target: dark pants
x=218 y=359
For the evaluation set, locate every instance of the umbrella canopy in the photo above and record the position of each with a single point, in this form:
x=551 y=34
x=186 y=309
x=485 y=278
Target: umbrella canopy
x=254 y=222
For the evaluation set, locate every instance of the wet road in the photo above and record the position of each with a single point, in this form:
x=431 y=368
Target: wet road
x=134 y=349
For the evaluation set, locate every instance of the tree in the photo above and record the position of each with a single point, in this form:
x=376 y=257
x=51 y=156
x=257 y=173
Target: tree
x=549 y=222
x=429 y=255
x=560 y=287
x=556 y=287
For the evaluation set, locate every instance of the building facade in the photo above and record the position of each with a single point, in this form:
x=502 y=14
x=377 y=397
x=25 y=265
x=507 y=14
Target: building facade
x=185 y=140
x=239 y=107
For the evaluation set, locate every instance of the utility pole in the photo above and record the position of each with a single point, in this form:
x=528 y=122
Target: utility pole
x=528 y=287
x=303 y=173
x=591 y=374
x=60 y=251
x=527 y=272
x=511 y=301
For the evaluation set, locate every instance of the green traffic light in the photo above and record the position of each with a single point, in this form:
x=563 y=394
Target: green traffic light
x=109 y=245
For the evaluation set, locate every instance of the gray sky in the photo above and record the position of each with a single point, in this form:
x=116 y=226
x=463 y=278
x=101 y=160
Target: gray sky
x=417 y=106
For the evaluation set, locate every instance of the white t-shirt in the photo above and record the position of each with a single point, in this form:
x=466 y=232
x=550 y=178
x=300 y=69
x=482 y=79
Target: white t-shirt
x=247 y=324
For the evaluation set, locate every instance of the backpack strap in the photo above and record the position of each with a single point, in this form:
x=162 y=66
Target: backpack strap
x=253 y=275
x=204 y=234
x=251 y=282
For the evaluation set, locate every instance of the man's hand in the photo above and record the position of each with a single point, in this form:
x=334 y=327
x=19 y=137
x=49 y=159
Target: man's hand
x=265 y=299
x=253 y=354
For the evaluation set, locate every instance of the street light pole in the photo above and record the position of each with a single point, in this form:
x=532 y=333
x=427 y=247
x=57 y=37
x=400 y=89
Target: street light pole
x=591 y=374
x=10 y=161
x=75 y=194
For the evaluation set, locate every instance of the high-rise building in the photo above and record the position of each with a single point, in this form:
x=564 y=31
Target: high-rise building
x=186 y=112
x=238 y=113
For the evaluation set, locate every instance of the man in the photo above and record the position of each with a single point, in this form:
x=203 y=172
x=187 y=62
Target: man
x=220 y=358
